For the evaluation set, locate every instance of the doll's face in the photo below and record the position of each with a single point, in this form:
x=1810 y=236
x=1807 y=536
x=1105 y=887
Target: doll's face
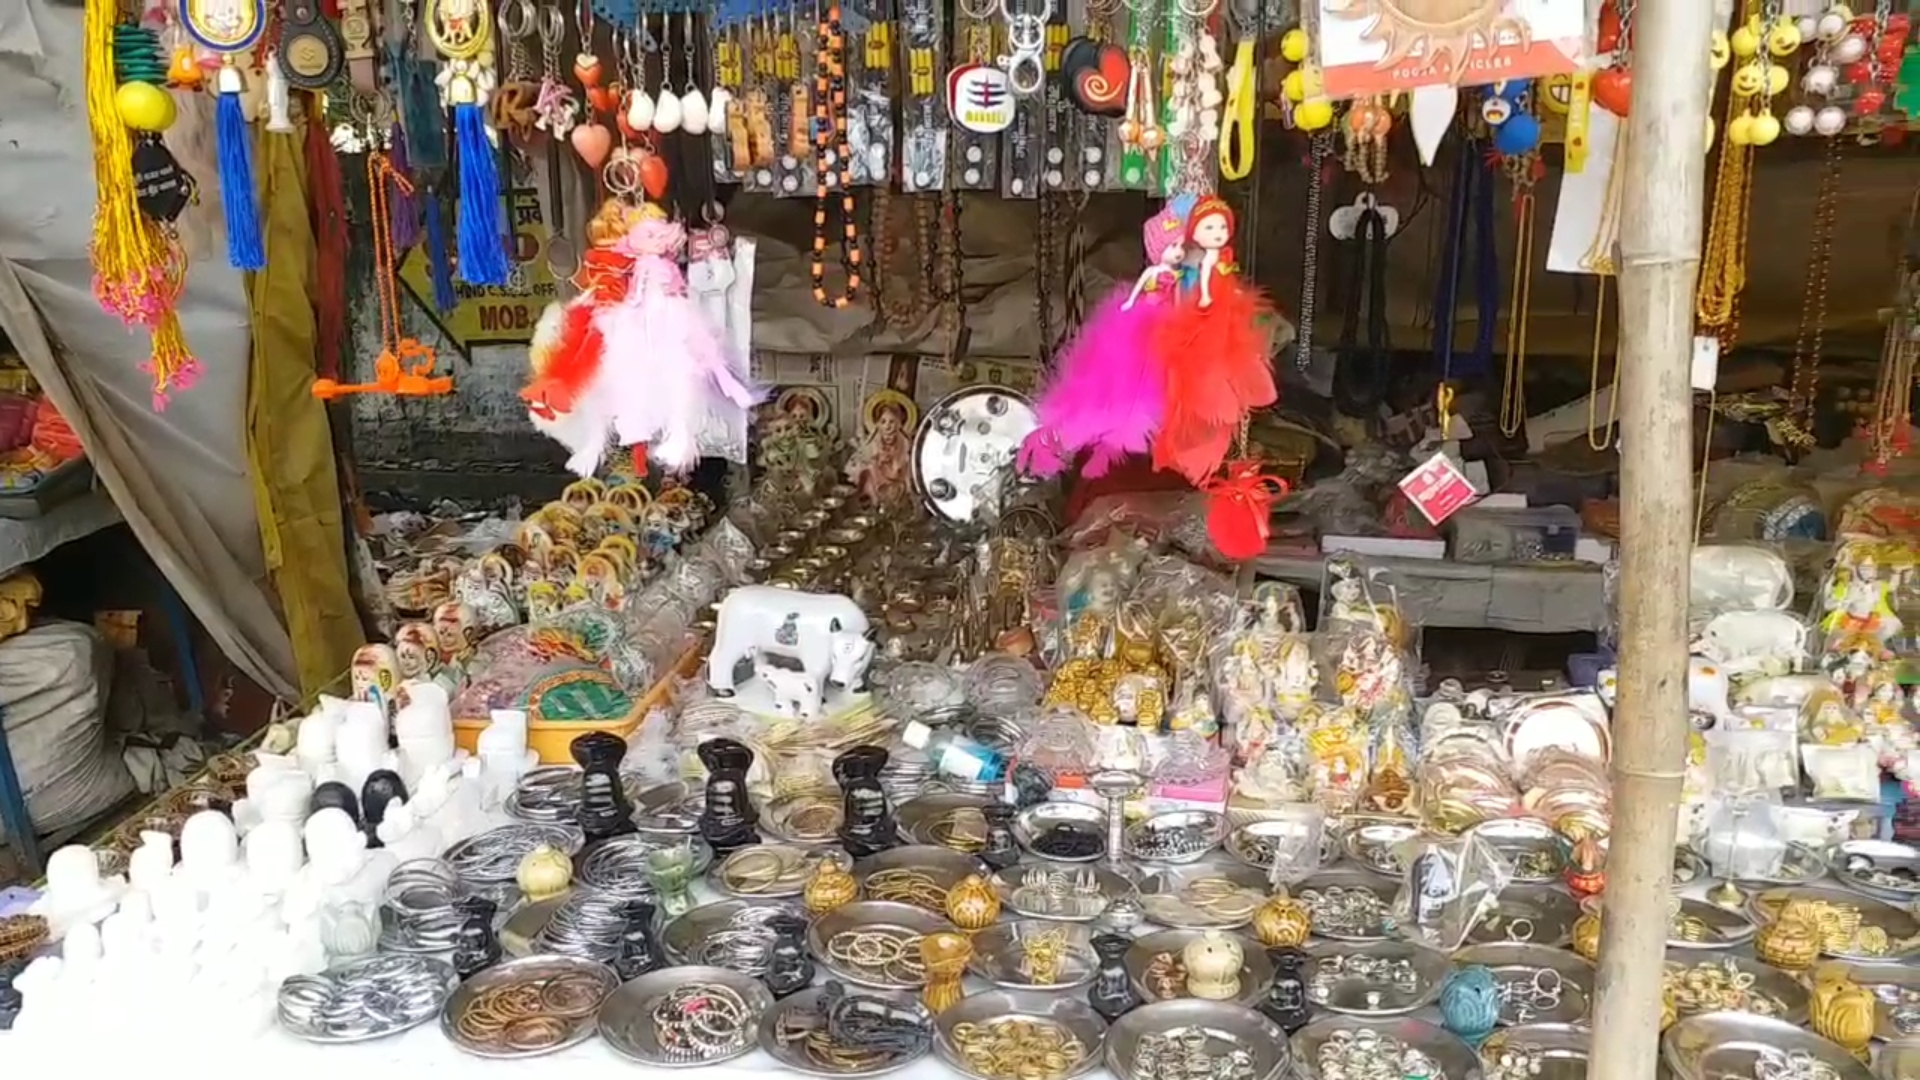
x=1174 y=255
x=1212 y=233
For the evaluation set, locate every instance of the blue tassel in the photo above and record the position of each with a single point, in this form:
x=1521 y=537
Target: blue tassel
x=482 y=234
x=244 y=247
x=439 y=259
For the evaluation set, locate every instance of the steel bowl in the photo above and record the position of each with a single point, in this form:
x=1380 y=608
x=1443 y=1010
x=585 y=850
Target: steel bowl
x=626 y=1016
x=1852 y=861
x=916 y=818
x=1719 y=1044
x=1228 y=1026
x=1514 y=839
x=1241 y=842
x=945 y=866
x=1357 y=996
x=1212 y=826
x=1374 y=846
x=872 y=915
x=776 y=820
x=517 y=971
x=1034 y=822
x=1562 y=1048
x=1112 y=887
x=1161 y=896
x=684 y=937
x=999 y=954
x=1349 y=879
x=1456 y=1060
x=1528 y=914
x=1517 y=962
x=1725 y=928
x=794 y=1057
x=1899 y=925
x=1070 y=1012
x=1898 y=1061
x=1777 y=984
x=1256 y=971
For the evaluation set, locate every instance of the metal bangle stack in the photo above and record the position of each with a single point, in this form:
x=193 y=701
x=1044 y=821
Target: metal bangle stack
x=420 y=916
x=588 y=926
x=488 y=862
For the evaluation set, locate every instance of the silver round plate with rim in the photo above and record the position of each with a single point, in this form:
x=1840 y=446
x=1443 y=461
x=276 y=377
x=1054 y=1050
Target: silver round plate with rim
x=1800 y=865
x=1898 y=1061
x=1227 y=1027
x=1374 y=847
x=626 y=1023
x=1529 y=914
x=1317 y=893
x=1081 y=893
x=1894 y=985
x=964 y=448
x=1514 y=962
x=1455 y=1059
x=1256 y=971
x=686 y=937
x=1718 y=1044
x=999 y=954
x=1522 y=842
x=904 y=922
x=1787 y=989
x=1853 y=861
x=1070 y=1012
x=944 y=866
x=1898 y=924
x=368 y=967
x=1366 y=996
x=794 y=1056
x=1561 y=1048
x=1036 y=821
x=524 y=970
x=1206 y=897
x=1143 y=839
x=926 y=819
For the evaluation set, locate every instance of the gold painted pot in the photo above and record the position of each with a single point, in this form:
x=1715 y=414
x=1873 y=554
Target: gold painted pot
x=945 y=956
x=829 y=887
x=1791 y=942
x=1843 y=1010
x=1282 y=922
x=1586 y=936
x=972 y=904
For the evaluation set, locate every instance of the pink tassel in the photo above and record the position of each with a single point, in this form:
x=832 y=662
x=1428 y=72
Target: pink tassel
x=1108 y=393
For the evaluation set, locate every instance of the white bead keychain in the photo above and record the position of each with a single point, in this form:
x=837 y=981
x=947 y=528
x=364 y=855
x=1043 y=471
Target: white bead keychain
x=639 y=113
x=693 y=104
x=667 y=113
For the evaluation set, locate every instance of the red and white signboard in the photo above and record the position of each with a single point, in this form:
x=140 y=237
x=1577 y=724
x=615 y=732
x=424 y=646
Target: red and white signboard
x=1437 y=488
x=1383 y=46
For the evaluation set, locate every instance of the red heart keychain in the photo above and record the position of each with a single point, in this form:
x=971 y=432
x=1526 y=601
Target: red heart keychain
x=1095 y=76
x=1239 y=505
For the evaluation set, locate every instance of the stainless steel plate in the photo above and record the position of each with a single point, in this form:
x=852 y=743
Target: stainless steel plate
x=1898 y=1061
x=1256 y=971
x=626 y=1016
x=987 y=1006
x=1359 y=995
x=902 y=921
x=1051 y=890
x=794 y=1055
x=1531 y=914
x=1788 y=990
x=1901 y=927
x=1455 y=1058
x=1375 y=846
x=529 y=969
x=1138 y=842
x=1206 y=897
x=1317 y=891
x=1801 y=865
x=1562 y=1048
x=1896 y=992
x=964 y=448
x=1035 y=821
x=1513 y=962
x=1718 y=1044
x=1000 y=951
x=1227 y=1027
x=1523 y=842
x=946 y=820
x=1855 y=861
x=399 y=1013
x=695 y=937
x=945 y=867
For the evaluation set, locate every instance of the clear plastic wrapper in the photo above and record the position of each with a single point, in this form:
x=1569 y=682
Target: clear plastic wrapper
x=1295 y=832
x=1355 y=593
x=1002 y=685
x=1738 y=577
x=1744 y=761
x=1741 y=841
x=1864 y=603
x=1448 y=887
x=1280 y=773
x=1846 y=773
x=1191 y=761
x=1362 y=667
x=1061 y=742
x=1336 y=744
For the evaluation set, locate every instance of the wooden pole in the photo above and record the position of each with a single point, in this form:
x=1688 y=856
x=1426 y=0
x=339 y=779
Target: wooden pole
x=1662 y=198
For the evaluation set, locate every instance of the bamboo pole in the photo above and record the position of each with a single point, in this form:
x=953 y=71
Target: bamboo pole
x=1661 y=199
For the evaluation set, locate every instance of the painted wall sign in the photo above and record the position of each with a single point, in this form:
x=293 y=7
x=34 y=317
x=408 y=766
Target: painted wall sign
x=493 y=316
x=1381 y=46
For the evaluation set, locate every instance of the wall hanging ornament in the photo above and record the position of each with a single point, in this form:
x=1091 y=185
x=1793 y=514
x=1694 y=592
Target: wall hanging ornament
x=1094 y=76
x=228 y=29
x=139 y=266
x=405 y=365
x=310 y=53
x=462 y=32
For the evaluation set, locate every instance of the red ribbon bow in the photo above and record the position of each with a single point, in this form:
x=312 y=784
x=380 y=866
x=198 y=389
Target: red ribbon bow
x=1239 y=504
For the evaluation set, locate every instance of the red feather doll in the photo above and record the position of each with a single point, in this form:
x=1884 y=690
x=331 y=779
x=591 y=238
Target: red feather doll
x=567 y=347
x=1216 y=349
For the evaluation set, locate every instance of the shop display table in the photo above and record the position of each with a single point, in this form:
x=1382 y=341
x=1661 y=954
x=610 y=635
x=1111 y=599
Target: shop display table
x=1532 y=599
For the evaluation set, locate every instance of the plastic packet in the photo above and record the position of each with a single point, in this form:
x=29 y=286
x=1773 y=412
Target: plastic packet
x=1280 y=773
x=1738 y=577
x=1294 y=833
x=1450 y=884
x=1741 y=841
x=1745 y=761
x=1850 y=773
x=1362 y=668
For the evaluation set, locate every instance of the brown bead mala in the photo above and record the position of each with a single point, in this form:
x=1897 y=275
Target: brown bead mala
x=831 y=151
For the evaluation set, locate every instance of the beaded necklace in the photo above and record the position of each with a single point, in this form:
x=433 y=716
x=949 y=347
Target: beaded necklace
x=832 y=153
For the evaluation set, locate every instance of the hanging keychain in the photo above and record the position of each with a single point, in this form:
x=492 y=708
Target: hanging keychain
x=695 y=116
x=667 y=112
x=229 y=28
x=462 y=32
x=1238 y=138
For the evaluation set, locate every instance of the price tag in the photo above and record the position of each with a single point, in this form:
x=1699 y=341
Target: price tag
x=1704 y=372
x=1437 y=488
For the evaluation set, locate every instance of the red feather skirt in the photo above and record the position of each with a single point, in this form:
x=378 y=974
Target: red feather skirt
x=573 y=362
x=1218 y=370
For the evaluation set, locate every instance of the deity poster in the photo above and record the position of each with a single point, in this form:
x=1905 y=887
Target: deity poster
x=1384 y=46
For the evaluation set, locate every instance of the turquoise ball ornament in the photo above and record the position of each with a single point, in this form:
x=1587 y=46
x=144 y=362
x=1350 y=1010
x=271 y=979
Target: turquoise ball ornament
x=1470 y=1003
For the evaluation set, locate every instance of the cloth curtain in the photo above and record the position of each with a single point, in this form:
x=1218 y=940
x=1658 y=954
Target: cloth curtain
x=289 y=445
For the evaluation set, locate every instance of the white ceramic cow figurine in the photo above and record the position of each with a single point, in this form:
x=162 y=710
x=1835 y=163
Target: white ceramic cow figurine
x=824 y=633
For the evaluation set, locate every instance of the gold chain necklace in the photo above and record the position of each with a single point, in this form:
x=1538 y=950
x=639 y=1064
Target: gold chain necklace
x=1513 y=387
x=1723 y=270
x=1809 y=342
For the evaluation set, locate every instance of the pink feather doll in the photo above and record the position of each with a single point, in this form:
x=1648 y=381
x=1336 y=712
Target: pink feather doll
x=1108 y=392
x=664 y=370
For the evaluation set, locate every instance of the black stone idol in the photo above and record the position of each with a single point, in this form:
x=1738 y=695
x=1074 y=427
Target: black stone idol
x=1286 y=1001
x=604 y=810
x=729 y=821
x=789 y=964
x=1112 y=994
x=476 y=948
x=382 y=789
x=639 y=952
x=1000 y=850
x=867 y=826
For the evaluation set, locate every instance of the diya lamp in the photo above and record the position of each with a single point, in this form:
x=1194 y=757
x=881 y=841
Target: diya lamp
x=1286 y=1000
x=1586 y=868
x=1282 y=922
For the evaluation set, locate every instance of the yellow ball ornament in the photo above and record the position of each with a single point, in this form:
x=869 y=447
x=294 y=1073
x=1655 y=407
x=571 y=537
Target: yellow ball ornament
x=1746 y=41
x=1765 y=129
x=1749 y=80
x=1784 y=39
x=1740 y=131
x=144 y=107
x=1294 y=45
x=1776 y=79
x=1720 y=51
x=1313 y=115
x=1294 y=86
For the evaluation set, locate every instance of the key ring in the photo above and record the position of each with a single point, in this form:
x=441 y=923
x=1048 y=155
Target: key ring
x=1027 y=41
